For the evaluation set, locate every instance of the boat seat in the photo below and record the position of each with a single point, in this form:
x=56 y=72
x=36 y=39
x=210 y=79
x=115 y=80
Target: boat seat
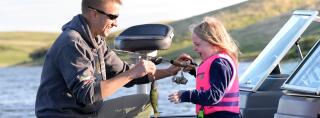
x=145 y=37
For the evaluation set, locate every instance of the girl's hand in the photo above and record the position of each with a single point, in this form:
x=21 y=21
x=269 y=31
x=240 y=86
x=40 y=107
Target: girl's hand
x=175 y=97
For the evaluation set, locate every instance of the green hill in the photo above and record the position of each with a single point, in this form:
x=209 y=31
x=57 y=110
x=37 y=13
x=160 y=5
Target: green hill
x=17 y=47
x=243 y=14
x=253 y=24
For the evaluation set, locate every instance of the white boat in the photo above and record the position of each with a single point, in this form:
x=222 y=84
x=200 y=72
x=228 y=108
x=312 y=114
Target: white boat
x=262 y=85
x=264 y=91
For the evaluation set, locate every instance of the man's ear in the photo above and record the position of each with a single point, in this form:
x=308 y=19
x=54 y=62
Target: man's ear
x=92 y=14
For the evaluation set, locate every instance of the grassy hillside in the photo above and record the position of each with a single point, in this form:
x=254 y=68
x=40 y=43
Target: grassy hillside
x=243 y=14
x=16 y=47
x=253 y=24
x=253 y=38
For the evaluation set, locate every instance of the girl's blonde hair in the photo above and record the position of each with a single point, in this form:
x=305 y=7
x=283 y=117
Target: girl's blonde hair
x=213 y=31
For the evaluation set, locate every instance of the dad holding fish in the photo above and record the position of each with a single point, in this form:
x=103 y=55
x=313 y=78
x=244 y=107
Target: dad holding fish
x=80 y=70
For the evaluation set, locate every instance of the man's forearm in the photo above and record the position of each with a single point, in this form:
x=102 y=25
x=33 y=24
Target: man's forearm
x=108 y=87
x=162 y=73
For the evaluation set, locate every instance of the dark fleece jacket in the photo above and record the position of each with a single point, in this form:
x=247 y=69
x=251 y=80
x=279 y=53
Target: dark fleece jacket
x=73 y=70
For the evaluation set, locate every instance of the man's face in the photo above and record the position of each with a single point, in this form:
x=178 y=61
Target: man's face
x=106 y=17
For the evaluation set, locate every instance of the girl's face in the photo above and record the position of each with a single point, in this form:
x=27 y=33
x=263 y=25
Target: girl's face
x=204 y=48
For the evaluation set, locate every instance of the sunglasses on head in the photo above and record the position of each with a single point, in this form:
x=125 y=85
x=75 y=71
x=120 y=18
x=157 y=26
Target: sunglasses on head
x=111 y=16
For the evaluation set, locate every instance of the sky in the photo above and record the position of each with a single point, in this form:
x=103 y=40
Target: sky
x=50 y=15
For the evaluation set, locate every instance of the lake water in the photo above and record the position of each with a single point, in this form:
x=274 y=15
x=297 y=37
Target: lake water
x=19 y=86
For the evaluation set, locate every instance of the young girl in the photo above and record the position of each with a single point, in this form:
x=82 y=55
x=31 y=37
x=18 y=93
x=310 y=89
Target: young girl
x=217 y=90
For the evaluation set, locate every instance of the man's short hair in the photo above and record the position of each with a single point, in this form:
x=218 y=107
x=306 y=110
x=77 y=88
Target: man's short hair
x=95 y=4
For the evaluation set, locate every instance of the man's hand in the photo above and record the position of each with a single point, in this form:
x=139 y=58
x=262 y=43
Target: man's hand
x=183 y=57
x=143 y=68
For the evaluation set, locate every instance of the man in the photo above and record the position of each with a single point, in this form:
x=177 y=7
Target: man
x=80 y=70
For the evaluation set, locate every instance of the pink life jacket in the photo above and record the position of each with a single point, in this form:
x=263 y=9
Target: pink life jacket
x=230 y=100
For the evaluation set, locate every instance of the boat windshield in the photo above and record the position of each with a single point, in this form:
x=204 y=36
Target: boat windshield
x=272 y=54
x=306 y=78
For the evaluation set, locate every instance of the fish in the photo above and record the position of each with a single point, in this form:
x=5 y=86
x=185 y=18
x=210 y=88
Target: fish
x=154 y=99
